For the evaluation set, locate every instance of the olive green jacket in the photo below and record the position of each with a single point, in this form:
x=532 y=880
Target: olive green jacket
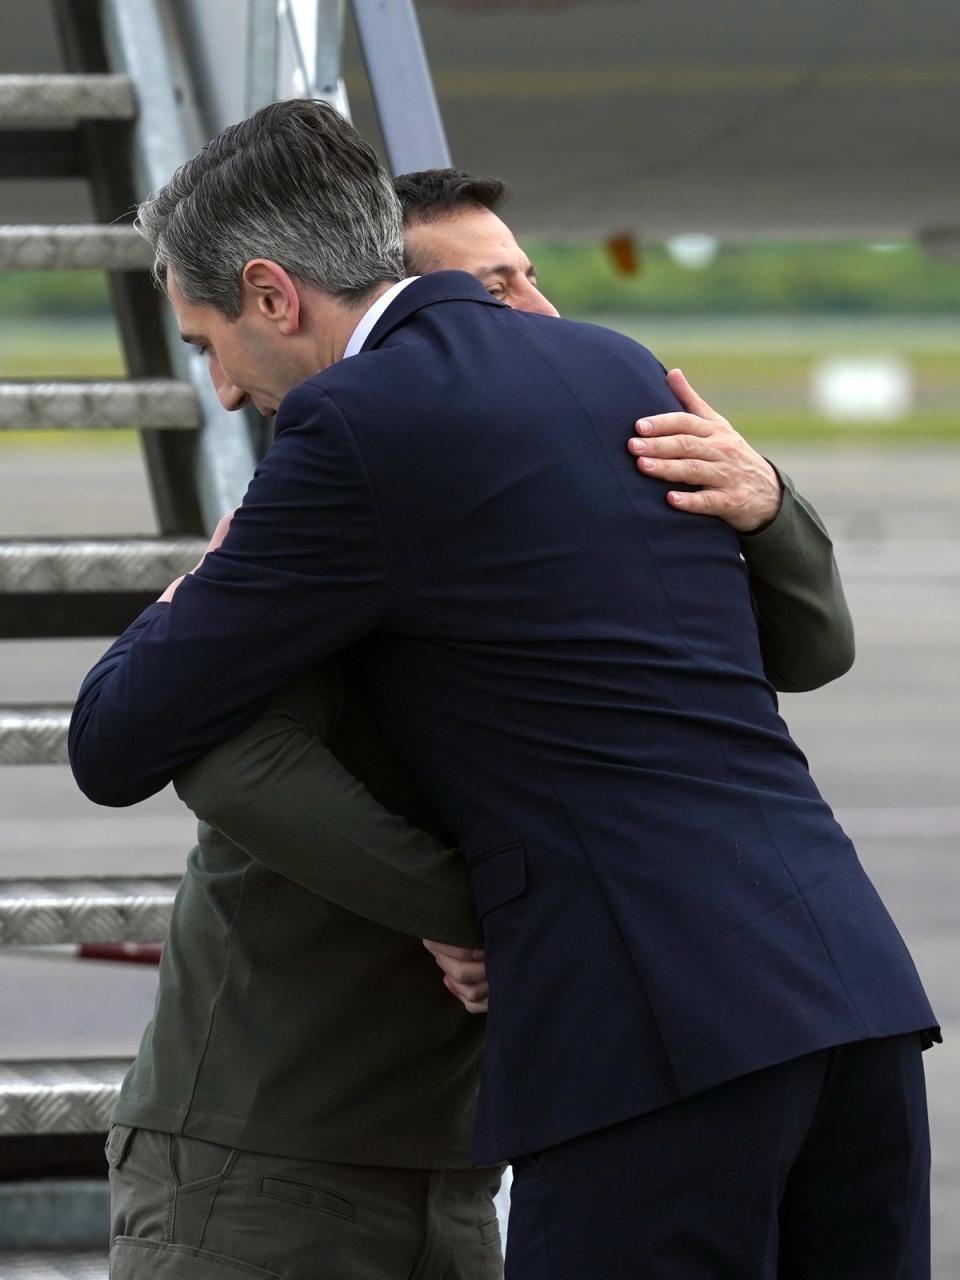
x=806 y=632
x=298 y=1013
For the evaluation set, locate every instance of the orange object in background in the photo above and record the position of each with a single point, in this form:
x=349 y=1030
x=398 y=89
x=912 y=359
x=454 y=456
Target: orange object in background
x=625 y=254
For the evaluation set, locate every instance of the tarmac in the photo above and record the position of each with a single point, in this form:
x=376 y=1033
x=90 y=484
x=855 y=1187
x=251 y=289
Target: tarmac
x=882 y=743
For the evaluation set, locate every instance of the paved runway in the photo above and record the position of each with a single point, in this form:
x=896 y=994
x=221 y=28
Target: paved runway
x=882 y=742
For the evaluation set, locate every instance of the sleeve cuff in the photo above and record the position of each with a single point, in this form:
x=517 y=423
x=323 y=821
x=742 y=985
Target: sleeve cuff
x=780 y=534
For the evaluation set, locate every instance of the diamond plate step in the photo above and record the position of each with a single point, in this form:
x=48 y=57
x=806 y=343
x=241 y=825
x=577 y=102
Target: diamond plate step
x=56 y=911
x=81 y=247
x=34 y=735
x=53 y=99
x=59 y=1097
x=53 y=1265
x=96 y=564
x=160 y=404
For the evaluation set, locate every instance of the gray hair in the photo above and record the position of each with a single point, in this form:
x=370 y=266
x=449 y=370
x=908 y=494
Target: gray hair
x=294 y=183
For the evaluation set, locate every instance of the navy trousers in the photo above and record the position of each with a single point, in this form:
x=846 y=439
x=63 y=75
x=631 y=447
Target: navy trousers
x=816 y=1169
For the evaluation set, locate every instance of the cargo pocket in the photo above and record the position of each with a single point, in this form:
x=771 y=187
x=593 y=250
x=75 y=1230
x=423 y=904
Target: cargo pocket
x=132 y=1259
x=498 y=877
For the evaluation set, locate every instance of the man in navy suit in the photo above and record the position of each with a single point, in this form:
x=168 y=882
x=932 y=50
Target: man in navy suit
x=703 y=1050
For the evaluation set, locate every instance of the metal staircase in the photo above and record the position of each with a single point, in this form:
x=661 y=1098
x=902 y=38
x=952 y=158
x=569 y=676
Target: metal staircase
x=122 y=117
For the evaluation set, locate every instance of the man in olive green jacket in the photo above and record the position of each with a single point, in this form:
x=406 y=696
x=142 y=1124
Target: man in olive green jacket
x=302 y=1102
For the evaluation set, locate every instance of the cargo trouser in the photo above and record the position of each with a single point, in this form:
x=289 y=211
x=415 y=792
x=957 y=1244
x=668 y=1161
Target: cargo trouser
x=183 y=1209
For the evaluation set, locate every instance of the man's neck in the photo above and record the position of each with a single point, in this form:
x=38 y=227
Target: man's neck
x=332 y=323
x=348 y=316
x=367 y=315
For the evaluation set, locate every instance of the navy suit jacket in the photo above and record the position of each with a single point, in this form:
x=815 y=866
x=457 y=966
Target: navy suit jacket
x=572 y=668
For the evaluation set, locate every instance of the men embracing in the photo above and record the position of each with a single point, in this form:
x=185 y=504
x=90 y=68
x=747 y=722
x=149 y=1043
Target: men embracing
x=704 y=1032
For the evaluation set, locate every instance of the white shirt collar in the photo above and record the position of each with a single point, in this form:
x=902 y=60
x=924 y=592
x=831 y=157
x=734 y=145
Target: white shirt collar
x=373 y=314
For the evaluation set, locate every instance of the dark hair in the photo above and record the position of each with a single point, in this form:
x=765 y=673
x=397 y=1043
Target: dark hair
x=430 y=194
x=294 y=183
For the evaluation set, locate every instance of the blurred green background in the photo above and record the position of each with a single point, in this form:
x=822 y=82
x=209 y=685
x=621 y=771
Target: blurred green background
x=750 y=325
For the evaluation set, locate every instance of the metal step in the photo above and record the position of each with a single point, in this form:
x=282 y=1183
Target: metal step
x=54 y=99
x=104 y=909
x=161 y=404
x=53 y=1264
x=81 y=247
x=34 y=735
x=59 y=1097
x=96 y=564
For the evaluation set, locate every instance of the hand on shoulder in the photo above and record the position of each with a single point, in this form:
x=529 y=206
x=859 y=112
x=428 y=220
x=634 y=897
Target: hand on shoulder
x=698 y=446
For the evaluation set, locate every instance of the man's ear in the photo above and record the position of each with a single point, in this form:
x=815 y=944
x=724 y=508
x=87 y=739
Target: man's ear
x=273 y=293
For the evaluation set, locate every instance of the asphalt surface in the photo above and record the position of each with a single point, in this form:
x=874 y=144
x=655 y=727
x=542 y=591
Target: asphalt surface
x=882 y=743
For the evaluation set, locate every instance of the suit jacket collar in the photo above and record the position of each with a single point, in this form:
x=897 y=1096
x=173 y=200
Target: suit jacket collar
x=437 y=286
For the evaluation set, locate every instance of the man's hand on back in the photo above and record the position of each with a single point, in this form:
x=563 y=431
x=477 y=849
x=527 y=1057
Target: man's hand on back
x=464 y=974
x=701 y=447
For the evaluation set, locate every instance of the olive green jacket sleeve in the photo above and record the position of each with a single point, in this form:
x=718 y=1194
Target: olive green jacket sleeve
x=279 y=792
x=806 y=632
